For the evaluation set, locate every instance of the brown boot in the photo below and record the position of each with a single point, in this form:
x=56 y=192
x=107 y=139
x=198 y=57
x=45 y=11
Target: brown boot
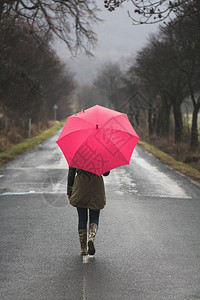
x=91 y=236
x=83 y=241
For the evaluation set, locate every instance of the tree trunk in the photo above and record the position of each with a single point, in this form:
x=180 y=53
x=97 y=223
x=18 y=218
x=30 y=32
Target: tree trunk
x=151 y=121
x=194 y=131
x=162 y=129
x=177 y=121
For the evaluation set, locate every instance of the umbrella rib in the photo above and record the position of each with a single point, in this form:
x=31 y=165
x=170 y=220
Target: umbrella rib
x=84 y=120
x=82 y=143
x=72 y=132
x=117 y=147
x=114 y=117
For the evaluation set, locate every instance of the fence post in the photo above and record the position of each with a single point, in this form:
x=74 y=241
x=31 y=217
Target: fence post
x=6 y=131
x=55 y=107
x=29 y=128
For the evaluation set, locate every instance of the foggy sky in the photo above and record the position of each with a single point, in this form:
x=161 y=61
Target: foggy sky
x=118 y=39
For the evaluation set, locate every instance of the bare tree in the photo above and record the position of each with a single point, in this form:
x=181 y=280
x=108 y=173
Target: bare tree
x=169 y=67
x=108 y=81
x=149 y=12
x=32 y=79
x=156 y=67
x=88 y=95
x=68 y=20
x=184 y=39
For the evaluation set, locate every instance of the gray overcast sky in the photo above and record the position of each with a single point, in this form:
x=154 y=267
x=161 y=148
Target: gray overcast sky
x=118 y=39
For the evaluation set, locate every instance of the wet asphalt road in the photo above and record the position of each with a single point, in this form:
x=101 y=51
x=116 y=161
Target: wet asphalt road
x=148 y=243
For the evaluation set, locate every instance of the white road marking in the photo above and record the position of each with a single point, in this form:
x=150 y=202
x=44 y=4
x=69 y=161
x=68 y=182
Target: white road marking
x=21 y=193
x=33 y=192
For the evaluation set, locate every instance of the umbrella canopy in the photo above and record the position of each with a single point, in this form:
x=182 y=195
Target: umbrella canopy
x=97 y=140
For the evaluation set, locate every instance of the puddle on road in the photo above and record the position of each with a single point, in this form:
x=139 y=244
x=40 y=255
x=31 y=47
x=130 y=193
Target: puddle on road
x=159 y=184
x=151 y=182
x=16 y=194
x=121 y=182
x=52 y=179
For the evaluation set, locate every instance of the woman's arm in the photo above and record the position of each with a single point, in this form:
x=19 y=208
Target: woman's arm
x=71 y=176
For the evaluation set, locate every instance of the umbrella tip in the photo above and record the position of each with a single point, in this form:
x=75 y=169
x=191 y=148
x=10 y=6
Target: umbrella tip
x=97 y=126
x=82 y=110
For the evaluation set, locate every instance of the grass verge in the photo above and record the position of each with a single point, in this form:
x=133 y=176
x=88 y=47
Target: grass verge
x=170 y=161
x=29 y=143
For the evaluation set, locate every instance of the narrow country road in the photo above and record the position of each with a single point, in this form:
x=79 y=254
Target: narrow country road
x=147 y=246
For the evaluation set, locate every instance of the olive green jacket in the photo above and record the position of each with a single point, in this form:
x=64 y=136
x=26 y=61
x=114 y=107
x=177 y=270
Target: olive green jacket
x=86 y=189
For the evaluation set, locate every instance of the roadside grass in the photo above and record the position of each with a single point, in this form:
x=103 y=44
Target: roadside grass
x=179 y=166
x=28 y=143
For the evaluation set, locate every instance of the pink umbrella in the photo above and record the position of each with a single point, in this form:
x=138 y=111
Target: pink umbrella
x=97 y=140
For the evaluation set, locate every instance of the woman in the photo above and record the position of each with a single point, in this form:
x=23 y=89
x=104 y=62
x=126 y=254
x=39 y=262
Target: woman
x=86 y=191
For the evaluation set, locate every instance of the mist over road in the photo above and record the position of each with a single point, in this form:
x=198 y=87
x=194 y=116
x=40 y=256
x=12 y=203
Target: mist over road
x=147 y=246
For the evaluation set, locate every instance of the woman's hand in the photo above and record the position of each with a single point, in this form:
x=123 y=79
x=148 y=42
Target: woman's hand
x=68 y=197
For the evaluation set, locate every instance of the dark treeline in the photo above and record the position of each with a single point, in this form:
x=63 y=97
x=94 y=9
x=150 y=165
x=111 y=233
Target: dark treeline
x=166 y=71
x=32 y=78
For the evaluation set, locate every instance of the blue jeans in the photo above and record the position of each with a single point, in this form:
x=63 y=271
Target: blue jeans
x=83 y=217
